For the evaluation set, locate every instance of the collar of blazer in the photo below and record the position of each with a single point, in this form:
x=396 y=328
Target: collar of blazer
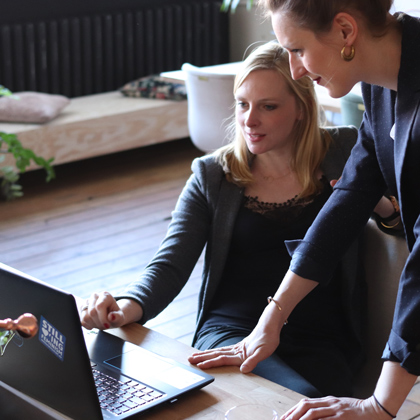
x=408 y=96
x=408 y=76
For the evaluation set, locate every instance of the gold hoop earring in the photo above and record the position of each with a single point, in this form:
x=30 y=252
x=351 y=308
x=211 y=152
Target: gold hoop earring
x=347 y=57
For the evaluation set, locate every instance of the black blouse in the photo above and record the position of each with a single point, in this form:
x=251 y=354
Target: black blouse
x=258 y=261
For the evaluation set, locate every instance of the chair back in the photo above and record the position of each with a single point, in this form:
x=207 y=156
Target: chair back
x=384 y=259
x=210 y=106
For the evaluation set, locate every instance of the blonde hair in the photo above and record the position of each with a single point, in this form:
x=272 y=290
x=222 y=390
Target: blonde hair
x=310 y=141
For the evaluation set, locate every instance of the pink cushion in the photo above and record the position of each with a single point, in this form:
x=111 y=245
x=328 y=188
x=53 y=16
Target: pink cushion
x=31 y=107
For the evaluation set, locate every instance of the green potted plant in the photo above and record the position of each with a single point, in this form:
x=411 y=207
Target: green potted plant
x=9 y=175
x=233 y=4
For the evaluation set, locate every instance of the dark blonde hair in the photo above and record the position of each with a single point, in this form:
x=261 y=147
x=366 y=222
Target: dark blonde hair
x=310 y=141
x=318 y=15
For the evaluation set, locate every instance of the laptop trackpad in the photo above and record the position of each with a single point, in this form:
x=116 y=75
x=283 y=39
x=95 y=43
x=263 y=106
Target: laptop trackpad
x=143 y=365
x=137 y=361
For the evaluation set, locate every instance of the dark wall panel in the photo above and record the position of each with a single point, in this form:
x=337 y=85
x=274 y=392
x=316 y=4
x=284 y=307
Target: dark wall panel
x=96 y=46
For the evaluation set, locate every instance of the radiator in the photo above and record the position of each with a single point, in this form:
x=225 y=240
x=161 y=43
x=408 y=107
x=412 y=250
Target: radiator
x=100 y=52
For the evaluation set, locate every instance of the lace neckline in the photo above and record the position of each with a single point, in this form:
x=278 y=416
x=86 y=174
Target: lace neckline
x=286 y=211
x=254 y=204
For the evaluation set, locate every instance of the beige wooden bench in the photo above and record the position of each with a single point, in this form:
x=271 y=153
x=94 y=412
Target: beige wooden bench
x=104 y=123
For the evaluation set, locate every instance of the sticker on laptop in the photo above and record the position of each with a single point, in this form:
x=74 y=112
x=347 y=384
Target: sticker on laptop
x=52 y=338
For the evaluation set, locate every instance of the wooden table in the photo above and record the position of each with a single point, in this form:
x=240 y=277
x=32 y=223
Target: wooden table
x=229 y=389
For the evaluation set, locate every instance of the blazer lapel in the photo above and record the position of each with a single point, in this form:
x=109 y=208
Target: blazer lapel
x=407 y=107
x=408 y=99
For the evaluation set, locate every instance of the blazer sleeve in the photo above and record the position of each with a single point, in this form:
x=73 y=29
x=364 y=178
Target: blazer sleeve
x=169 y=270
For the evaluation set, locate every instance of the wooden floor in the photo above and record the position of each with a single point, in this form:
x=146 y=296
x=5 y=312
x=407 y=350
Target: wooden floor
x=99 y=222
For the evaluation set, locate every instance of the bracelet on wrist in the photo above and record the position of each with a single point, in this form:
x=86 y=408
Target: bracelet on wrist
x=382 y=407
x=384 y=221
x=270 y=299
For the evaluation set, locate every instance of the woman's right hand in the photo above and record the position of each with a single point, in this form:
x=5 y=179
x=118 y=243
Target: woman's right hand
x=256 y=347
x=265 y=338
x=246 y=354
x=102 y=311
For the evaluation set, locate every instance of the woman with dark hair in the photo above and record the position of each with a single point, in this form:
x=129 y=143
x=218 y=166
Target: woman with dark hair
x=337 y=44
x=242 y=202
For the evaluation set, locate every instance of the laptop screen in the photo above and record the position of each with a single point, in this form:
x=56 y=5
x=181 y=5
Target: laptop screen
x=54 y=367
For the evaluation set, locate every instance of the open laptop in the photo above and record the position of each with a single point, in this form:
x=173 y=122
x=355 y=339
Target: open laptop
x=60 y=364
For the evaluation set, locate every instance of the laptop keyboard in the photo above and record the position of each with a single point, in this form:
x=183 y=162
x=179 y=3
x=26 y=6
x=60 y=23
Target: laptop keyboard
x=121 y=395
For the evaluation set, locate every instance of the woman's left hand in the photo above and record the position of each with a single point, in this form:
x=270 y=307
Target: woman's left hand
x=335 y=408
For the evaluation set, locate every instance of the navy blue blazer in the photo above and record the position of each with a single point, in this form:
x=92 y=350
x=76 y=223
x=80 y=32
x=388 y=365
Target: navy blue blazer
x=386 y=156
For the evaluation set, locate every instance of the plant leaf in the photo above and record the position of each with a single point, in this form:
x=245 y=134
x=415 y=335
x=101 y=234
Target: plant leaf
x=4 y=91
x=225 y=5
x=9 y=143
x=249 y=4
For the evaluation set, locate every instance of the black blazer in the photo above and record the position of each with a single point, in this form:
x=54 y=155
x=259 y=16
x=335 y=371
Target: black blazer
x=385 y=157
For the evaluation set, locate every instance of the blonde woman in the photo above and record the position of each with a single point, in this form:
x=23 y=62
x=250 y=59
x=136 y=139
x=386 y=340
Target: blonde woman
x=242 y=203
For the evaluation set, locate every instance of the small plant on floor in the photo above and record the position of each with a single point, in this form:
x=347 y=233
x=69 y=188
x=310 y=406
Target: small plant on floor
x=9 y=176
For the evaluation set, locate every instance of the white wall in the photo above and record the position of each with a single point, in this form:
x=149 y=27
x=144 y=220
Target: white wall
x=248 y=27
x=405 y=5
